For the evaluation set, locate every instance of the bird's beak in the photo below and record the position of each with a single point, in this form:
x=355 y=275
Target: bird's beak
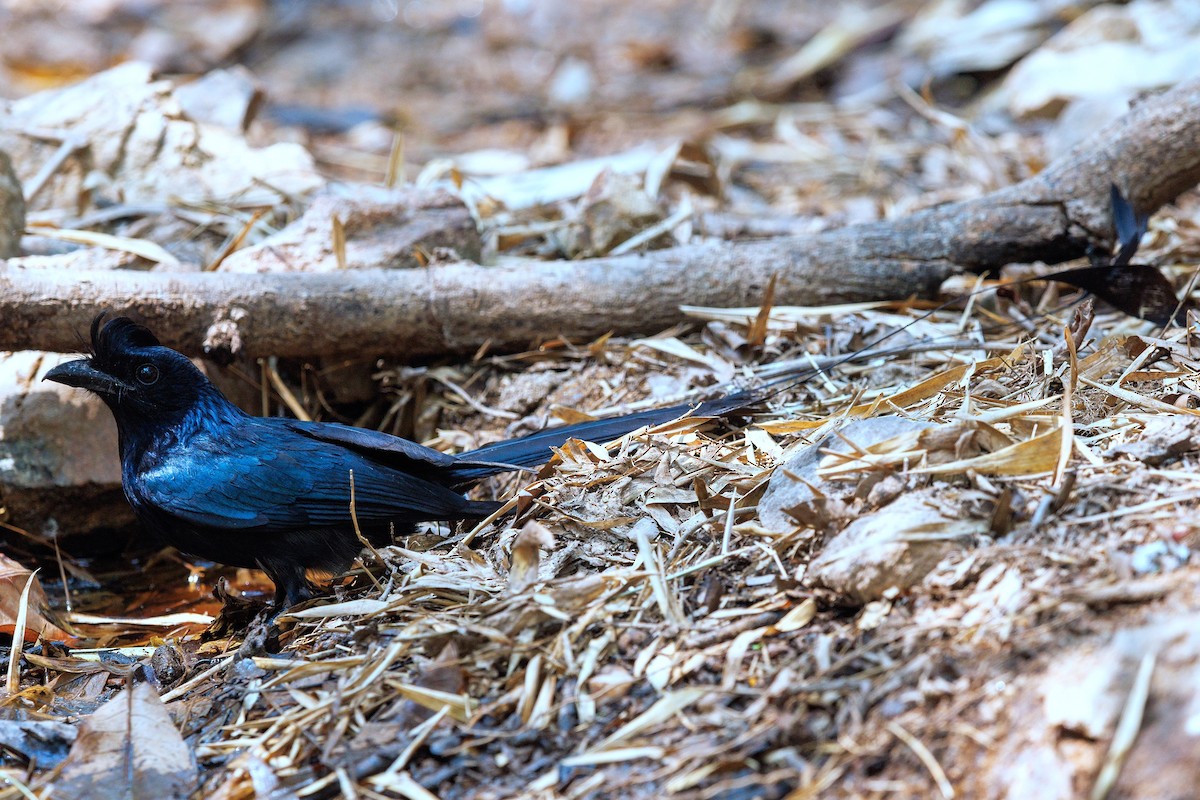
x=82 y=374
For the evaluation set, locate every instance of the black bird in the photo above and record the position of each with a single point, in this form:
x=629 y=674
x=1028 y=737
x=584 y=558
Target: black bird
x=274 y=493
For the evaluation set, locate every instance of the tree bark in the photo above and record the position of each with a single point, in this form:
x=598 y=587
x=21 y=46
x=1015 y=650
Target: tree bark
x=1152 y=154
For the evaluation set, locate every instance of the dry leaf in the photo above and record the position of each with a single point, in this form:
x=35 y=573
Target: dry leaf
x=526 y=555
x=907 y=397
x=1030 y=457
x=128 y=748
x=41 y=621
x=139 y=247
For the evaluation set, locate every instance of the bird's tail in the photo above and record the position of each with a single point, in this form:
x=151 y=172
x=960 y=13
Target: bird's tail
x=534 y=449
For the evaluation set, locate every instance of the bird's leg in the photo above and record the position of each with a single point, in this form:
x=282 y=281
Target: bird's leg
x=291 y=585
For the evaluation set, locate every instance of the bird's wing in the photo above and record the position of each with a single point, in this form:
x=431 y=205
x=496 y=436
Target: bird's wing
x=398 y=453
x=278 y=483
x=382 y=447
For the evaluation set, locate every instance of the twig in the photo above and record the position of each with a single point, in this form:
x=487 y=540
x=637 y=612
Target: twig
x=472 y=402
x=289 y=399
x=925 y=757
x=13 y=685
x=184 y=688
x=363 y=539
x=69 y=143
x=1127 y=728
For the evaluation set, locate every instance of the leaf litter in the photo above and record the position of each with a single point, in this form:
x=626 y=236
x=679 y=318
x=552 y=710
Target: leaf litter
x=639 y=622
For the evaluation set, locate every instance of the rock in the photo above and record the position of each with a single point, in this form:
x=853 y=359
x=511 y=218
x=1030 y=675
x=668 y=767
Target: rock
x=572 y=83
x=134 y=145
x=44 y=742
x=555 y=184
x=1159 y=556
x=896 y=546
x=785 y=492
x=524 y=392
x=1061 y=721
x=384 y=229
x=1107 y=50
x=1163 y=438
x=12 y=209
x=615 y=208
x=228 y=98
x=86 y=37
x=58 y=452
x=955 y=38
x=1081 y=118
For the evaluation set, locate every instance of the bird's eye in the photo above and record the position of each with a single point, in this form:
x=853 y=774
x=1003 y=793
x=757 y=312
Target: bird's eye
x=147 y=374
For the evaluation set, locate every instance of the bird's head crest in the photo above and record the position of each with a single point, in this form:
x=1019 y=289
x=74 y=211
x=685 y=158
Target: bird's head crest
x=111 y=337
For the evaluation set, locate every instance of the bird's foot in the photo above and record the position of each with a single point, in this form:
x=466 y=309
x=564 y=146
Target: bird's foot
x=262 y=636
x=236 y=615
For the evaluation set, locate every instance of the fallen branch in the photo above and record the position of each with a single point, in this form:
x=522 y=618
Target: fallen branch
x=1152 y=154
